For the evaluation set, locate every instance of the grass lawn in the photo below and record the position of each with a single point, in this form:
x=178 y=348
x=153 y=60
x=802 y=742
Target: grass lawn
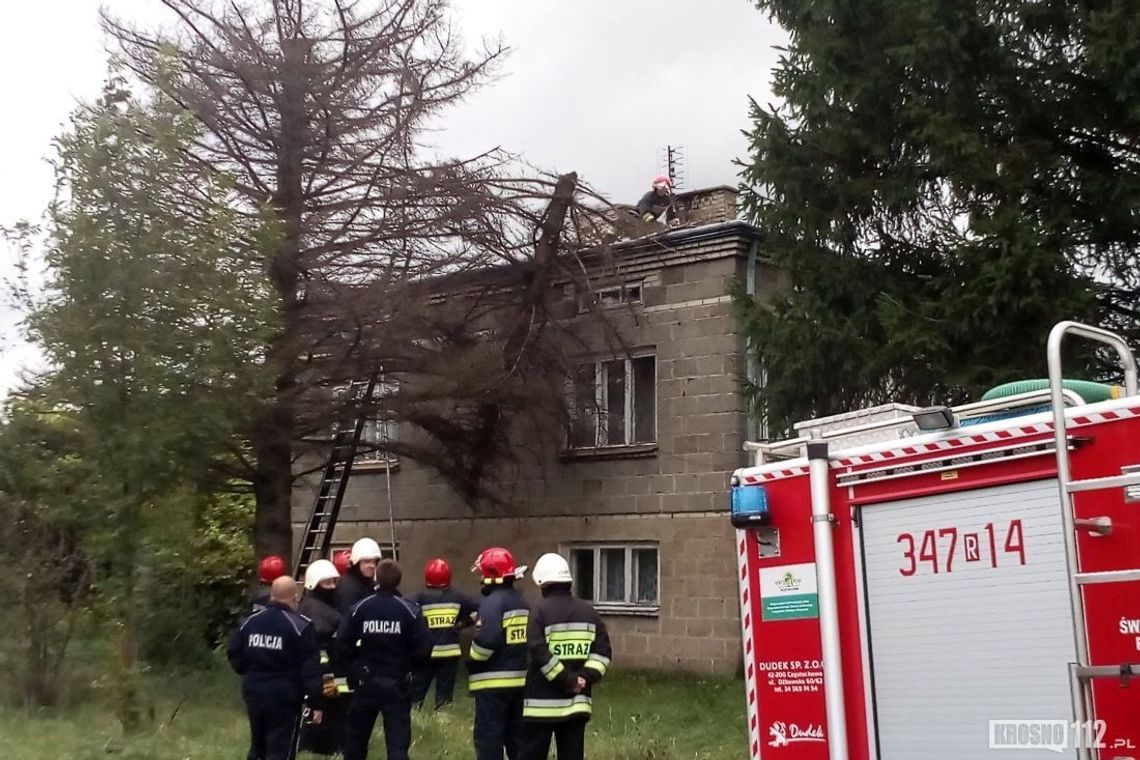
x=637 y=716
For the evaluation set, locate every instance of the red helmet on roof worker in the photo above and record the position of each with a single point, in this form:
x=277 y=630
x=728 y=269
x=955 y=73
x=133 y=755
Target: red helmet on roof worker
x=495 y=564
x=342 y=561
x=663 y=181
x=270 y=568
x=437 y=573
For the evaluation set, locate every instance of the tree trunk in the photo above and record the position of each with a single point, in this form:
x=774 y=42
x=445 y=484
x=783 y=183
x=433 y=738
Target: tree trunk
x=272 y=485
x=275 y=433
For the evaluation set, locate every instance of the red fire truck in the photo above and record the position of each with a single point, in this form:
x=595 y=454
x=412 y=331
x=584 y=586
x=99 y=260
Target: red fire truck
x=948 y=584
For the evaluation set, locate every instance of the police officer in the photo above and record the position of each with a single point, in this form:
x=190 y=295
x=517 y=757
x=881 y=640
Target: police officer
x=569 y=653
x=498 y=657
x=269 y=569
x=275 y=651
x=360 y=580
x=446 y=612
x=380 y=644
x=319 y=606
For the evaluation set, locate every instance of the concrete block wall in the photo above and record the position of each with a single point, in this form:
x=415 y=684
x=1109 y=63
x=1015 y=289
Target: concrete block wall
x=674 y=492
x=697 y=627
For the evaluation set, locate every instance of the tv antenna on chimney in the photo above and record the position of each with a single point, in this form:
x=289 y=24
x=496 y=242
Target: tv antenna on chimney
x=671 y=161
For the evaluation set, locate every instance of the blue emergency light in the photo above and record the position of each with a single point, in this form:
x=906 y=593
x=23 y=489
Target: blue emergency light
x=749 y=505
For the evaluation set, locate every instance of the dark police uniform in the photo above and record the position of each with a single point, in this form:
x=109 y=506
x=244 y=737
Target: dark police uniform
x=380 y=644
x=324 y=738
x=446 y=612
x=498 y=672
x=276 y=653
x=567 y=639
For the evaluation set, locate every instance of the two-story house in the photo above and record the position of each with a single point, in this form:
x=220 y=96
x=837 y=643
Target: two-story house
x=637 y=498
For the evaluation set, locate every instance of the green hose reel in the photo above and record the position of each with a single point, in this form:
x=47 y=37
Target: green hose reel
x=1089 y=391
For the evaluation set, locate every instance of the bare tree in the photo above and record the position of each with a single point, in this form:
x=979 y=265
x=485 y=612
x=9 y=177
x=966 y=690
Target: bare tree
x=383 y=260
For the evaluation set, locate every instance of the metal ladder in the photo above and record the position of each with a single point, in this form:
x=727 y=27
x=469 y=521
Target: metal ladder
x=317 y=538
x=1081 y=674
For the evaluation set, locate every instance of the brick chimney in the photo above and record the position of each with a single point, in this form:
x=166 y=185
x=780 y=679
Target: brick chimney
x=707 y=206
x=694 y=208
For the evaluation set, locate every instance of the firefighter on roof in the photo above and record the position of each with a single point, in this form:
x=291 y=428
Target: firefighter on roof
x=275 y=652
x=319 y=606
x=657 y=204
x=381 y=643
x=359 y=581
x=446 y=612
x=269 y=569
x=497 y=664
x=569 y=653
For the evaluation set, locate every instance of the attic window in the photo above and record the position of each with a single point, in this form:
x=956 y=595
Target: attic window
x=612 y=295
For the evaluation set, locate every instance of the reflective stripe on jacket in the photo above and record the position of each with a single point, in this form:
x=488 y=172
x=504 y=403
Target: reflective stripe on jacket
x=447 y=612
x=498 y=655
x=566 y=639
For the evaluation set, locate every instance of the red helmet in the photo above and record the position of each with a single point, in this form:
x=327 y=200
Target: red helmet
x=663 y=179
x=437 y=573
x=342 y=560
x=270 y=568
x=495 y=564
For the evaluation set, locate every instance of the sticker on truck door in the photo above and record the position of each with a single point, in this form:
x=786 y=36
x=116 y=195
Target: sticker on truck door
x=788 y=592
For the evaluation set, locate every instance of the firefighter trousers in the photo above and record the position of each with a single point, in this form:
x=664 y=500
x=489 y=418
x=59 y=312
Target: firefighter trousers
x=273 y=727
x=498 y=724
x=569 y=739
x=441 y=670
x=386 y=699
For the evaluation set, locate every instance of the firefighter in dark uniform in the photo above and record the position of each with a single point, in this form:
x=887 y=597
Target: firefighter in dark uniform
x=569 y=653
x=497 y=659
x=658 y=203
x=381 y=643
x=319 y=606
x=276 y=653
x=360 y=580
x=269 y=569
x=446 y=611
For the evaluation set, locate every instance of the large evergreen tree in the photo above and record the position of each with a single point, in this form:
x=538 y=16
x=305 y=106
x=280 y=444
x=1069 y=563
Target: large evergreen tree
x=944 y=181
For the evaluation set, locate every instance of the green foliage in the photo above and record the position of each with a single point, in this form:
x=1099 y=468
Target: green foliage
x=196 y=585
x=153 y=320
x=43 y=517
x=944 y=181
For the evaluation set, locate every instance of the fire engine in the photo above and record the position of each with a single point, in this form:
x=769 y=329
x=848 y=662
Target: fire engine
x=948 y=583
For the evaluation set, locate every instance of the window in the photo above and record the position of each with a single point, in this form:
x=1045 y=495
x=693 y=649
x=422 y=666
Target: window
x=378 y=431
x=614 y=403
x=617 y=577
x=612 y=295
x=374 y=439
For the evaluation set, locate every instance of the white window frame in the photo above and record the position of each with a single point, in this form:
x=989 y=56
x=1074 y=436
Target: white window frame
x=387 y=429
x=626 y=607
x=621 y=290
x=601 y=389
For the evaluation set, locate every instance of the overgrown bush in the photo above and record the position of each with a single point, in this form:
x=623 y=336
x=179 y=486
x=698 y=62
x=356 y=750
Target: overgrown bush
x=195 y=586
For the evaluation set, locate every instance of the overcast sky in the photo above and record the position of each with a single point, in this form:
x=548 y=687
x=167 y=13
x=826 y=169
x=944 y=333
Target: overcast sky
x=595 y=86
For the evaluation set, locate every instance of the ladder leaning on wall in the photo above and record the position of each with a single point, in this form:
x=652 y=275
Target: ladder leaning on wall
x=317 y=538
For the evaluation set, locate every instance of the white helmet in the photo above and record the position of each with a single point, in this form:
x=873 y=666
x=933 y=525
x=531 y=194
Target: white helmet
x=365 y=548
x=320 y=570
x=552 y=568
